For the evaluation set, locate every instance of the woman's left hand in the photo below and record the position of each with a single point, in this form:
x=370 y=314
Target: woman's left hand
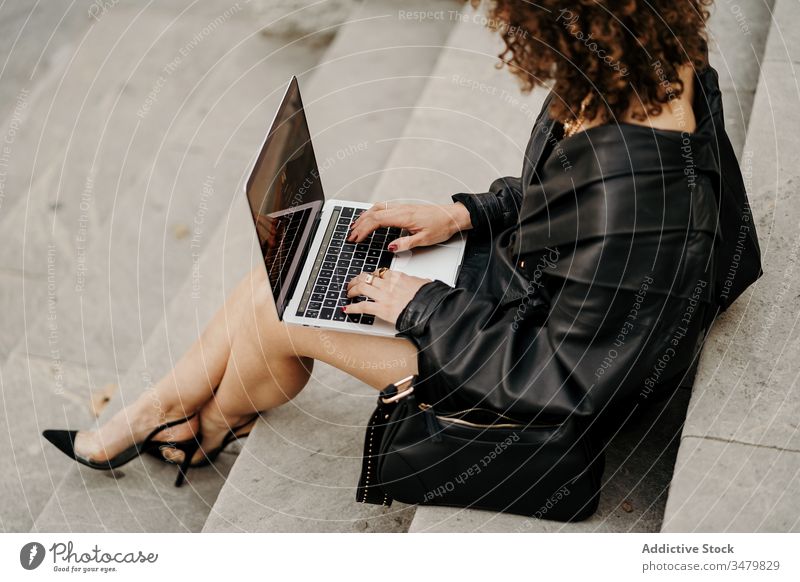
x=390 y=293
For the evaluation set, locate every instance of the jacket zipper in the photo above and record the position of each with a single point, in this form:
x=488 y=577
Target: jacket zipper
x=452 y=418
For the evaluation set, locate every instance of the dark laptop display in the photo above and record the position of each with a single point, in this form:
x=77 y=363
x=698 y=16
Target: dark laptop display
x=285 y=195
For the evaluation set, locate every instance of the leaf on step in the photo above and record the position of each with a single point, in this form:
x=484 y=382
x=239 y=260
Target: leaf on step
x=627 y=506
x=181 y=231
x=100 y=398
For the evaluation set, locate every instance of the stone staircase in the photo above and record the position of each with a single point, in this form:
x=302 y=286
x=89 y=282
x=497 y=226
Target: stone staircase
x=100 y=208
x=400 y=109
x=738 y=466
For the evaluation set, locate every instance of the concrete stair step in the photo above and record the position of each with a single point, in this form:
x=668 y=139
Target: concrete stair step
x=154 y=208
x=739 y=457
x=38 y=393
x=140 y=496
x=146 y=203
x=298 y=469
x=737 y=35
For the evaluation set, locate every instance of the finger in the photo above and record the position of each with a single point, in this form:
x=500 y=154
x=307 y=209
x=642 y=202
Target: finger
x=377 y=219
x=364 y=225
x=407 y=242
x=371 y=291
x=368 y=307
x=360 y=278
x=371 y=210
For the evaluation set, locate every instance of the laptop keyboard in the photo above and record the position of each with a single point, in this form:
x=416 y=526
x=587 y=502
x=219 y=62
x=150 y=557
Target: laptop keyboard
x=326 y=291
x=287 y=228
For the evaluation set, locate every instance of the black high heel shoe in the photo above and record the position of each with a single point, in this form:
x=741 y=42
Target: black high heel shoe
x=230 y=436
x=64 y=440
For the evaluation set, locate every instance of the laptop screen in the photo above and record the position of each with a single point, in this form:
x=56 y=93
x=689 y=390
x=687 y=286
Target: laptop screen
x=285 y=195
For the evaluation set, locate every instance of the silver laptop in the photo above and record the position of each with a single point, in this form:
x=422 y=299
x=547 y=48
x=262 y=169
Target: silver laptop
x=303 y=236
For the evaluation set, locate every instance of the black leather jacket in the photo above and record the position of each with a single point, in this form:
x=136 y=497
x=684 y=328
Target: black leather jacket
x=607 y=265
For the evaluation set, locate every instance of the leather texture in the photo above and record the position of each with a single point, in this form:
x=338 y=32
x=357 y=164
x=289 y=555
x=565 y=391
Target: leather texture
x=610 y=257
x=417 y=455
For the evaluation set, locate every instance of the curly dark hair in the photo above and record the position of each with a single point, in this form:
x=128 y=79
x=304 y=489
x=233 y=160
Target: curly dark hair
x=622 y=51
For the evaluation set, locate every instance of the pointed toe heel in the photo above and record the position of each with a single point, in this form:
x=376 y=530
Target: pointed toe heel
x=64 y=440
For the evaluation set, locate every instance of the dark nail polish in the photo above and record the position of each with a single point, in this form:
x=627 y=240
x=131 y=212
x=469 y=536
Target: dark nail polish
x=344 y=308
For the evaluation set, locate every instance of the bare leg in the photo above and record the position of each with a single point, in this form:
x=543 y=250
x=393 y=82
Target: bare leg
x=258 y=363
x=182 y=391
x=270 y=363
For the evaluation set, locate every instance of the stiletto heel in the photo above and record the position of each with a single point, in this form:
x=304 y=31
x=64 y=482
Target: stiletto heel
x=188 y=454
x=211 y=456
x=64 y=440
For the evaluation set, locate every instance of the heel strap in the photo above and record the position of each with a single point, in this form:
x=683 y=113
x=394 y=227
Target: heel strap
x=169 y=424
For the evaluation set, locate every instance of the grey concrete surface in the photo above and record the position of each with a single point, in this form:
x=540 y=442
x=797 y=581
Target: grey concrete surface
x=363 y=92
x=140 y=496
x=117 y=171
x=724 y=486
x=38 y=393
x=744 y=408
x=737 y=33
x=112 y=145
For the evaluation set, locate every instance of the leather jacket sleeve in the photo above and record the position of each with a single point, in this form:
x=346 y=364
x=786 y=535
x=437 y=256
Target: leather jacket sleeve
x=495 y=210
x=575 y=356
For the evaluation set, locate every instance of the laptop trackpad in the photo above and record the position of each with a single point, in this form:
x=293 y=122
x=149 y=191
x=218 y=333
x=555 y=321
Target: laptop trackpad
x=434 y=262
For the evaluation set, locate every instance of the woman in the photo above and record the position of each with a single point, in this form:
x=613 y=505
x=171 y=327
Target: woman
x=588 y=282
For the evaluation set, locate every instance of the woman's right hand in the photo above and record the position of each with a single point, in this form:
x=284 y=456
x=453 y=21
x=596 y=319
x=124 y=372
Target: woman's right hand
x=426 y=224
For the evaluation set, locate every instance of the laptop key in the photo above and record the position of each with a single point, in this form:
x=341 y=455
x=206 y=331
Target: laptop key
x=332 y=295
x=355 y=317
x=357 y=263
x=329 y=265
x=320 y=288
x=367 y=319
x=359 y=255
x=342 y=270
x=311 y=313
x=317 y=296
x=323 y=281
x=326 y=273
x=339 y=315
x=386 y=259
x=326 y=313
x=315 y=305
x=347 y=211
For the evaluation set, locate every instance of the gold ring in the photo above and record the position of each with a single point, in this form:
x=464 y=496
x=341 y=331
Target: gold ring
x=368 y=279
x=382 y=271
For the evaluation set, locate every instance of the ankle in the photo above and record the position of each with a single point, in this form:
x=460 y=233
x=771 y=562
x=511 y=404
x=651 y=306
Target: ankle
x=151 y=411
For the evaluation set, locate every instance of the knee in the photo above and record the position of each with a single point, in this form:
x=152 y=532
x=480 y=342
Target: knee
x=259 y=275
